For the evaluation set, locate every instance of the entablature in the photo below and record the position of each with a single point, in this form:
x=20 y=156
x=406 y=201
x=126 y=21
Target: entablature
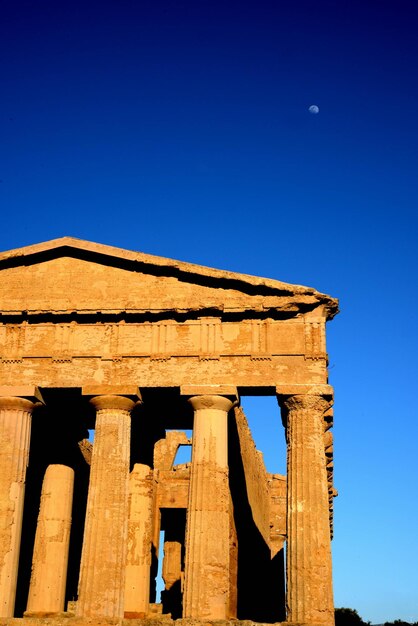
x=208 y=337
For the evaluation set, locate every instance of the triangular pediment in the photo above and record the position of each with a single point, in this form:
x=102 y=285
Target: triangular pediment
x=70 y=275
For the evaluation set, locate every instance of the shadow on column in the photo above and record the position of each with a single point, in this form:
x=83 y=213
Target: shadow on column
x=56 y=429
x=146 y=430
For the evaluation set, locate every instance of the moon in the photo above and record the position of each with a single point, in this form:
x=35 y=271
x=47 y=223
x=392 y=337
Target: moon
x=314 y=109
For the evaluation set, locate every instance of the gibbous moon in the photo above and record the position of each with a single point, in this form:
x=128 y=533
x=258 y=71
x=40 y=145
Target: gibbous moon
x=314 y=109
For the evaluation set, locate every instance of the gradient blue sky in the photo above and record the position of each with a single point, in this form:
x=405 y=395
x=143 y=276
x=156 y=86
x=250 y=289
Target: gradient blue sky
x=182 y=129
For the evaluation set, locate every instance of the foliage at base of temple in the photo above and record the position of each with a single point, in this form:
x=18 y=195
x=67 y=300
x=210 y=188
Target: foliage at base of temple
x=350 y=617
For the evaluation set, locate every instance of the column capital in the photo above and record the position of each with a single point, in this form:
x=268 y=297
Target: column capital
x=315 y=402
x=109 y=402
x=221 y=397
x=122 y=397
x=20 y=397
x=219 y=403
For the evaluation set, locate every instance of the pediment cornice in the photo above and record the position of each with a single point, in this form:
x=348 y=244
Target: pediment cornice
x=278 y=295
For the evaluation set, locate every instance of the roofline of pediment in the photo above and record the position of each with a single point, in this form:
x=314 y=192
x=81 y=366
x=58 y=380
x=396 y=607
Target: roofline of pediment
x=137 y=261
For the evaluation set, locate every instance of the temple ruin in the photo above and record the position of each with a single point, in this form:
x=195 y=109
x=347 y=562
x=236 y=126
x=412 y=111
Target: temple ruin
x=151 y=354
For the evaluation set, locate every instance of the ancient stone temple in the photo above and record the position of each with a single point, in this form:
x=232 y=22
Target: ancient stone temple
x=151 y=354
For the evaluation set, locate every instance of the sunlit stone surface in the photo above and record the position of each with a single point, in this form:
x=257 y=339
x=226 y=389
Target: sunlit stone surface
x=137 y=350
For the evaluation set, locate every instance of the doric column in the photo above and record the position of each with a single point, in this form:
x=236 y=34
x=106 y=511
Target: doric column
x=138 y=565
x=52 y=540
x=103 y=560
x=16 y=406
x=308 y=567
x=207 y=584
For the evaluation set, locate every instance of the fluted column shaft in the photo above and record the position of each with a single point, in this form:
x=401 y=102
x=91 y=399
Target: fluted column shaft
x=15 y=427
x=103 y=560
x=206 y=585
x=308 y=567
x=52 y=540
x=138 y=565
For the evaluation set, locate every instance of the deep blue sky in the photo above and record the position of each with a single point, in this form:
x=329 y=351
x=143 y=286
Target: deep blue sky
x=182 y=129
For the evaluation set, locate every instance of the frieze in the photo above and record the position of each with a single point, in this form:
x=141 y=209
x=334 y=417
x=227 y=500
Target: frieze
x=208 y=339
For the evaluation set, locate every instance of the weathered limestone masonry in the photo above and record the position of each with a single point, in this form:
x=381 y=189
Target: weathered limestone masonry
x=151 y=354
x=206 y=586
x=103 y=561
x=138 y=563
x=15 y=425
x=52 y=541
